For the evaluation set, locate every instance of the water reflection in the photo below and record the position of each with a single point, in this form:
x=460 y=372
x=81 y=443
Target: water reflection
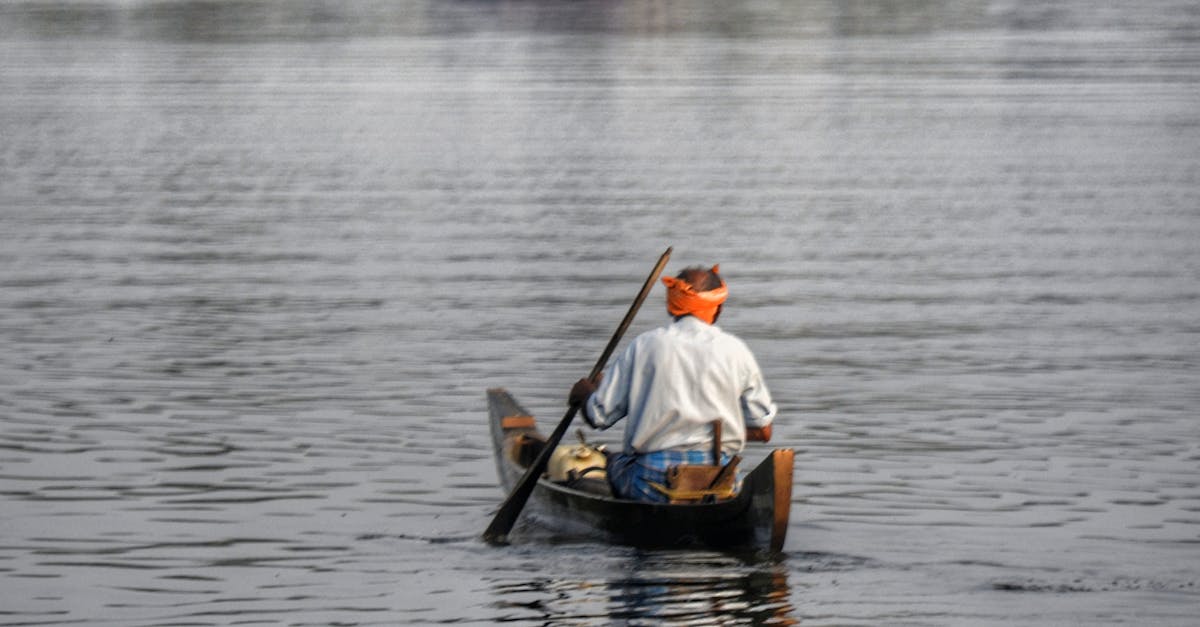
x=660 y=588
x=668 y=590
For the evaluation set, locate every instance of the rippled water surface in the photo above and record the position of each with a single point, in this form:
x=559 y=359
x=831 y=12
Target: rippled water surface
x=260 y=260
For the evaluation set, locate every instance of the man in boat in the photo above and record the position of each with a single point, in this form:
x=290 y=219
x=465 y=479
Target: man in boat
x=671 y=384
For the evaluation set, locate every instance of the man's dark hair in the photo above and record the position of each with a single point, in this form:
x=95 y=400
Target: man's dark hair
x=701 y=279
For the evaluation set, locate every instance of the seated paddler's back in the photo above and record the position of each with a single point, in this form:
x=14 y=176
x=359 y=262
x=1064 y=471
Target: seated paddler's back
x=671 y=383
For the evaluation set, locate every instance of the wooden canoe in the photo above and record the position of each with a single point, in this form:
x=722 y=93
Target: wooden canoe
x=756 y=518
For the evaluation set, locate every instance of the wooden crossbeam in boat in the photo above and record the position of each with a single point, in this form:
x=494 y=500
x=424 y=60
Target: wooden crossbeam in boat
x=518 y=421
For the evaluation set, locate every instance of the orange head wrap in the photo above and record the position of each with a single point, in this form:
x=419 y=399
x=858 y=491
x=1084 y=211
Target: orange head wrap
x=683 y=299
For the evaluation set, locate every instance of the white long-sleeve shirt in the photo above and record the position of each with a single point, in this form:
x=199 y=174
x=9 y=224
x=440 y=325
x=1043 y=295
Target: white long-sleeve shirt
x=672 y=382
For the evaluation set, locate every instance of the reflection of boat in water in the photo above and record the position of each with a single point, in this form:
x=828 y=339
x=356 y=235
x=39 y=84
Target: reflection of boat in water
x=652 y=587
x=696 y=588
x=756 y=517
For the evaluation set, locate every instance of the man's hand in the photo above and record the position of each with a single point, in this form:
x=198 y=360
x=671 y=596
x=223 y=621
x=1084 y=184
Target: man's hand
x=581 y=391
x=758 y=434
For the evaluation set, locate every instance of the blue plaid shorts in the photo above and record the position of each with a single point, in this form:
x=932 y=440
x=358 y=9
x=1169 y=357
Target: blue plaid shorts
x=631 y=475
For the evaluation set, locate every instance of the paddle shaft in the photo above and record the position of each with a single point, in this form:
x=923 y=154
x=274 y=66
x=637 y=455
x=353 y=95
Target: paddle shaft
x=506 y=517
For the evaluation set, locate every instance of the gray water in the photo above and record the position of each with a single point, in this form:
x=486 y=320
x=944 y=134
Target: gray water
x=261 y=260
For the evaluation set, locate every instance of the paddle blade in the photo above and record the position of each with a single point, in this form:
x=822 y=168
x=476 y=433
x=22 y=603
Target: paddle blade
x=506 y=516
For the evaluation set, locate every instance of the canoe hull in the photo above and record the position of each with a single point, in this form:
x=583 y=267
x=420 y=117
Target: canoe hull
x=756 y=518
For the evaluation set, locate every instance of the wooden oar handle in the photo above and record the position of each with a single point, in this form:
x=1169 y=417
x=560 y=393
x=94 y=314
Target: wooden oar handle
x=629 y=315
x=506 y=517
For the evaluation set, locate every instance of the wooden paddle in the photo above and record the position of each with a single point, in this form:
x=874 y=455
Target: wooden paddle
x=506 y=517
